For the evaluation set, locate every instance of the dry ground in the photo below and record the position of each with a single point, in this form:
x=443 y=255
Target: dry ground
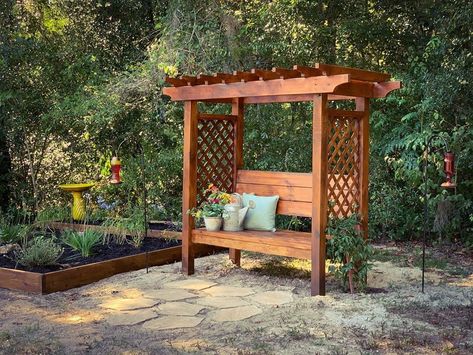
x=392 y=317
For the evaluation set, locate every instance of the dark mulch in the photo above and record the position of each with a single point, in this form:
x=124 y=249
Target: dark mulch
x=72 y=258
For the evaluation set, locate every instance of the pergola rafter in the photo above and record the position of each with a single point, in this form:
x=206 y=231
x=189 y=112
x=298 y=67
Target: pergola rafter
x=213 y=153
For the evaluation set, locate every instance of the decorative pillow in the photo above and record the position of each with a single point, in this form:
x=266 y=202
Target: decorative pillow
x=261 y=213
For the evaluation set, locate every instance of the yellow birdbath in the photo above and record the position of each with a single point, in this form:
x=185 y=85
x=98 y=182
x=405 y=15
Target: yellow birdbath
x=78 y=203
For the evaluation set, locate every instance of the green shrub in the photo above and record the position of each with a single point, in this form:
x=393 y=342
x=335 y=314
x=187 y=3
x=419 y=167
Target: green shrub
x=40 y=252
x=82 y=242
x=54 y=214
x=119 y=228
x=349 y=252
x=14 y=234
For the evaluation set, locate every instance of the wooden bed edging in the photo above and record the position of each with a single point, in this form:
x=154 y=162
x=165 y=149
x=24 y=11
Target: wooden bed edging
x=66 y=279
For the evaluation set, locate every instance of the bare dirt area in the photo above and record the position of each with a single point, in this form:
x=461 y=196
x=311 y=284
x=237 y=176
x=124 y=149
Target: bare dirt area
x=262 y=308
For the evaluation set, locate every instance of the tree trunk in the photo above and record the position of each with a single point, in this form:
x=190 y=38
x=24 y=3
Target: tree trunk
x=6 y=24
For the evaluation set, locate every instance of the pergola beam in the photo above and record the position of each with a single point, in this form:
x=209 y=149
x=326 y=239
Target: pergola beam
x=356 y=74
x=277 y=87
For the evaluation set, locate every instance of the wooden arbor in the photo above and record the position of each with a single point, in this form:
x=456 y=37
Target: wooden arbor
x=213 y=153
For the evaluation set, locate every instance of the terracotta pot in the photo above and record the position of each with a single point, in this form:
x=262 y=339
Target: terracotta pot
x=213 y=224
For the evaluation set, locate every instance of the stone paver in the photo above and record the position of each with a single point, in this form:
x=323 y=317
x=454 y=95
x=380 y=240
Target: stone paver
x=172 y=322
x=234 y=314
x=168 y=294
x=130 y=317
x=227 y=291
x=125 y=304
x=179 y=309
x=222 y=302
x=273 y=297
x=191 y=284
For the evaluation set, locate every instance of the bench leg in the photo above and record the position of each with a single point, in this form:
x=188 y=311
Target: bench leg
x=317 y=284
x=235 y=256
x=187 y=258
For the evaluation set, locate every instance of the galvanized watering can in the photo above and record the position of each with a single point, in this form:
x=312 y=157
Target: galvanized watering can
x=234 y=215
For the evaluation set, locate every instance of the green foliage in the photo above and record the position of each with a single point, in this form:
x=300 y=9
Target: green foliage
x=41 y=251
x=119 y=228
x=79 y=78
x=83 y=242
x=54 y=214
x=207 y=209
x=15 y=234
x=214 y=204
x=349 y=252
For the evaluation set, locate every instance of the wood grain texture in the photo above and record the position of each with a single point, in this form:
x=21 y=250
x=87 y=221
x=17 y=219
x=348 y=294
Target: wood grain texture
x=319 y=193
x=285 y=193
x=274 y=178
x=295 y=86
x=356 y=74
x=238 y=109
x=21 y=280
x=362 y=105
x=189 y=193
x=284 y=243
x=85 y=274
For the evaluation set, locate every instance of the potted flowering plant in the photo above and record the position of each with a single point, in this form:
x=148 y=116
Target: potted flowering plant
x=213 y=208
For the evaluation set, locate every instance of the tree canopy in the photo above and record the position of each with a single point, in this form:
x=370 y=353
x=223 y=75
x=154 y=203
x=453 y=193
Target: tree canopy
x=79 y=78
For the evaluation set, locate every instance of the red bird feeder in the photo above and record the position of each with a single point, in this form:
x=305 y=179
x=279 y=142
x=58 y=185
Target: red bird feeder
x=449 y=169
x=116 y=167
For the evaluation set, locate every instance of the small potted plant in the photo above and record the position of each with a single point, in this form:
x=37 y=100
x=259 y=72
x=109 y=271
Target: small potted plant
x=212 y=209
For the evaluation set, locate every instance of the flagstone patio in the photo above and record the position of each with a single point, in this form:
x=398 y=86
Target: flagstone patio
x=262 y=307
x=188 y=302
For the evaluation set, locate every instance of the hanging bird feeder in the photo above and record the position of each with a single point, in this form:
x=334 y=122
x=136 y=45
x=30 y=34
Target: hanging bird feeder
x=115 y=167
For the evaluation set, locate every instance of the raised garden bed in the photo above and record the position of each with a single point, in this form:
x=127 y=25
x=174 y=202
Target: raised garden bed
x=108 y=260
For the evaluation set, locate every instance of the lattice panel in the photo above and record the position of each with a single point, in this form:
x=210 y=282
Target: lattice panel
x=343 y=165
x=215 y=155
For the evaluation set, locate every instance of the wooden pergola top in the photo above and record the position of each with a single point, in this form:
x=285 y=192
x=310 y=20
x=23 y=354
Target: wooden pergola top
x=291 y=84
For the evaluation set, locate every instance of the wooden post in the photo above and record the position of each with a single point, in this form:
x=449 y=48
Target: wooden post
x=362 y=104
x=189 y=186
x=238 y=108
x=319 y=193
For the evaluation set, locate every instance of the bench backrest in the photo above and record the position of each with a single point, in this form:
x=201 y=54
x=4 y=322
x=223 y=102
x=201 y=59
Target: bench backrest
x=294 y=189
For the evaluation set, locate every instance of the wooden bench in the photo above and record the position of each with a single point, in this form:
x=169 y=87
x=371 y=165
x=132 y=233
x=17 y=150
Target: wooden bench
x=295 y=194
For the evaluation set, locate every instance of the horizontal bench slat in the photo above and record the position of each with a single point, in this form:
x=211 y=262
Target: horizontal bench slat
x=284 y=243
x=275 y=178
x=287 y=193
x=290 y=208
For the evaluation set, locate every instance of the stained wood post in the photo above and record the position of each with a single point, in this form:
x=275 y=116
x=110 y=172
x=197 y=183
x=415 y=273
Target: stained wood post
x=189 y=185
x=319 y=193
x=237 y=110
x=362 y=104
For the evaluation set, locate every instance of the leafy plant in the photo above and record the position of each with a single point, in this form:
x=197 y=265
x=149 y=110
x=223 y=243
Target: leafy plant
x=119 y=228
x=40 y=251
x=82 y=242
x=14 y=234
x=349 y=252
x=214 y=204
x=54 y=214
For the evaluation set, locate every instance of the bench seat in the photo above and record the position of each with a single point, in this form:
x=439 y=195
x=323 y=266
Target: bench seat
x=283 y=243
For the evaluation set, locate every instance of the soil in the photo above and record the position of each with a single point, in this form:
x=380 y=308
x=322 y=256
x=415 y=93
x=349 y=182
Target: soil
x=71 y=258
x=393 y=317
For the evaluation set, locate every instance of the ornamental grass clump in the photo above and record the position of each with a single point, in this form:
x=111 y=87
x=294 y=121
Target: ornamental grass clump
x=349 y=252
x=15 y=234
x=40 y=251
x=82 y=242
